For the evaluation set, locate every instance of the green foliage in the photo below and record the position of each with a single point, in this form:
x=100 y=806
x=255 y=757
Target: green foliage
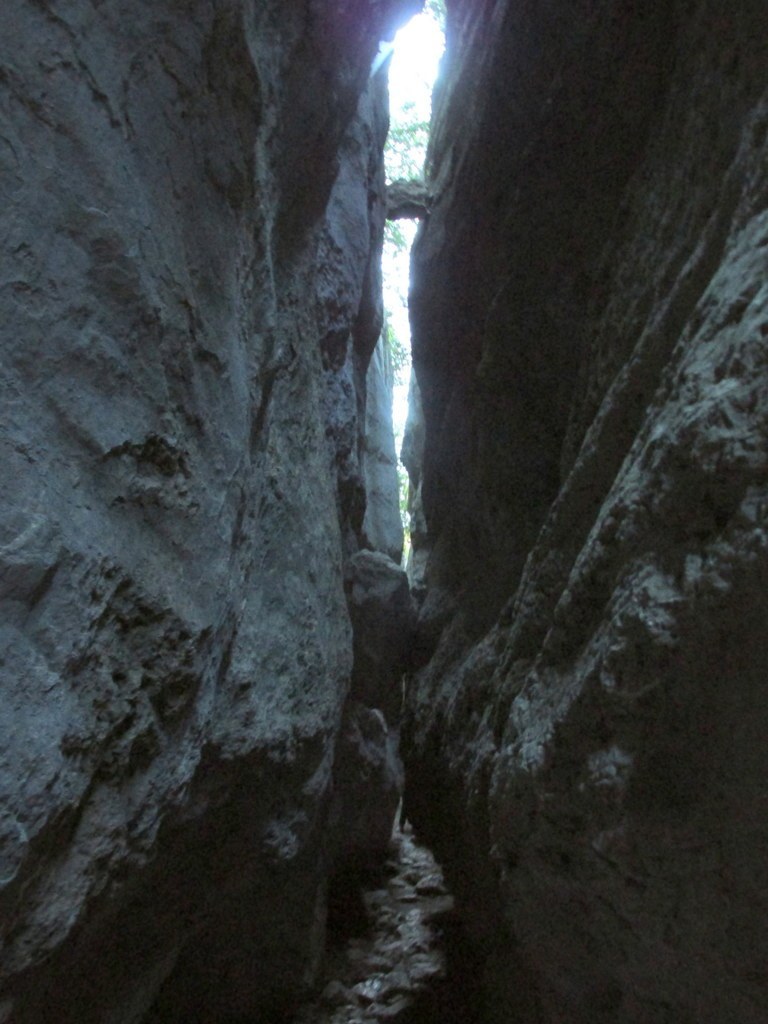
x=395 y=236
x=437 y=9
x=396 y=257
x=406 y=149
x=400 y=357
x=405 y=516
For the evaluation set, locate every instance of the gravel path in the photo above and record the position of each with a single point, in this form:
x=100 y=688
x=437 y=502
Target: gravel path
x=395 y=971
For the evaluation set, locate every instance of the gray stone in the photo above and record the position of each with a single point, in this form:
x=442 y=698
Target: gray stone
x=585 y=748
x=337 y=994
x=185 y=191
x=368 y=770
x=382 y=620
x=408 y=199
x=412 y=455
x=389 y=969
x=368 y=778
x=382 y=527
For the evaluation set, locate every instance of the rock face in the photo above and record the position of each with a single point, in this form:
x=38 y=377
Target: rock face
x=586 y=744
x=369 y=772
x=407 y=200
x=192 y=203
x=382 y=526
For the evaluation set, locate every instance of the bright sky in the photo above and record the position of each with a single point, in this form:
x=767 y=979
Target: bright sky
x=396 y=269
x=412 y=73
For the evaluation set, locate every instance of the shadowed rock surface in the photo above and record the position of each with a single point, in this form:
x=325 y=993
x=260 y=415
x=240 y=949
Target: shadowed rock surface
x=368 y=771
x=201 y=657
x=192 y=205
x=399 y=955
x=585 y=747
x=407 y=200
x=382 y=525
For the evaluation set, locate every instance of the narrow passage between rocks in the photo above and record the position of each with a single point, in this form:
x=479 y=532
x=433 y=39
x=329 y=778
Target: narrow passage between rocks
x=395 y=950
x=404 y=962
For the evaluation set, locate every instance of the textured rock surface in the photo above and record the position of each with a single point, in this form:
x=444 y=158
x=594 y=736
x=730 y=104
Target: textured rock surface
x=368 y=774
x=368 y=777
x=382 y=526
x=412 y=456
x=380 y=609
x=586 y=746
x=394 y=968
x=407 y=199
x=182 y=289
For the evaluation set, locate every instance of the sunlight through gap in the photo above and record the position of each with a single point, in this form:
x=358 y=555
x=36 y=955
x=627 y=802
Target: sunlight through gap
x=418 y=47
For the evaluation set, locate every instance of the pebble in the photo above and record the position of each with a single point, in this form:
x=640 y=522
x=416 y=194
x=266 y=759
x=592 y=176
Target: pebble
x=432 y=885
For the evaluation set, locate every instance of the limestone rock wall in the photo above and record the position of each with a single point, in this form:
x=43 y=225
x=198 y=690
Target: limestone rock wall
x=191 y=203
x=590 y=309
x=382 y=526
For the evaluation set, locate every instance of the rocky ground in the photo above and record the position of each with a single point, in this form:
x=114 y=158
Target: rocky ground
x=396 y=964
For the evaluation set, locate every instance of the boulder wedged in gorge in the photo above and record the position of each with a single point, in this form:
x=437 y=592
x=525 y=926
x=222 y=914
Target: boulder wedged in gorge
x=586 y=746
x=382 y=620
x=368 y=774
x=192 y=202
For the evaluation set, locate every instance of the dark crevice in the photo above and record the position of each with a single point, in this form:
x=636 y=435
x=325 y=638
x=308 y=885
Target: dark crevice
x=396 y=949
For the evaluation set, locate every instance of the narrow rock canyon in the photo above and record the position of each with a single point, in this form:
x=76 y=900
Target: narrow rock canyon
x=217 y=681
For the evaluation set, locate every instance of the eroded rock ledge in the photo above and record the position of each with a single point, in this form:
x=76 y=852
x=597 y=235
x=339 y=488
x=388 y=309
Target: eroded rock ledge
x=585 y=746
x=408 y=199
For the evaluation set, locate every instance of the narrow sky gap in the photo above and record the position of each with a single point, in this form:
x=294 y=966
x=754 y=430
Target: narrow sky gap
x=418 y=47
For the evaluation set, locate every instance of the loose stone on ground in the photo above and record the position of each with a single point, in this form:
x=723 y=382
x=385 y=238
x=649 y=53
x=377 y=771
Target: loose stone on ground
x=379 y=976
